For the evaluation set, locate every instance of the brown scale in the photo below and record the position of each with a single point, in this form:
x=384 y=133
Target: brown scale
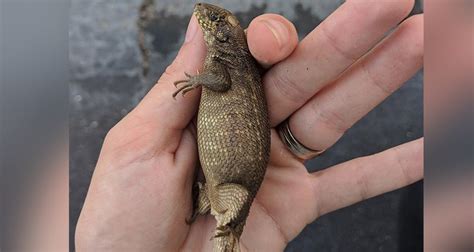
x=233 y=127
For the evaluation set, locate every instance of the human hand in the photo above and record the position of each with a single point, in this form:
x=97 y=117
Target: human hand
x=140 y=193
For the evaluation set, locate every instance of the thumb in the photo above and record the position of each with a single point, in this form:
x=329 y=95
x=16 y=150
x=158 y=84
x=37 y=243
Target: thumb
x=166 y=116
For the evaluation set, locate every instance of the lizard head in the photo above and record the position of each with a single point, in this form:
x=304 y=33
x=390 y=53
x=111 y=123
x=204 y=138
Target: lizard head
x=219 y=25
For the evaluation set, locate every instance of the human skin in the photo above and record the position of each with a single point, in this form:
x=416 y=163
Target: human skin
x=140 y=193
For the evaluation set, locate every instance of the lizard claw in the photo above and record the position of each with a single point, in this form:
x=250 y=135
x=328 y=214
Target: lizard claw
x=191 y=84
x=184 y=89
x=187 y=90
x=180 y=89
x=224 y=231
x=176 y=83
x=221 y=234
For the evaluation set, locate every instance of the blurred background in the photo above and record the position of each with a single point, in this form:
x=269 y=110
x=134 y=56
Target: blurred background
x=117 y=51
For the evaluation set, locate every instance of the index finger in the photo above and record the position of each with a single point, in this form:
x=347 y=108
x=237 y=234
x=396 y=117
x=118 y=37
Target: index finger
x=339 y=41
x=158 y=115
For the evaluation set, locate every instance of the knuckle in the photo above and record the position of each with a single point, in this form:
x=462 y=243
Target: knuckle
x=414 y=30
x=112 y=135
x=394 y=10
x=384 y=10
x=288 y=88
x=401 y=164
x=386 y=87
x=172 y=70
x=176 y=68
x=338 y=44
x=119 y=132
x=399 y=9
x=362 y=182
x=332 y=119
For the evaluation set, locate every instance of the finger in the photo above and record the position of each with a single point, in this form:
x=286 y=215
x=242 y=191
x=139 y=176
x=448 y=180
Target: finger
x=159 y=117
x=271 y=38
x=327 y=51
x=325 y=118
x=366 y=177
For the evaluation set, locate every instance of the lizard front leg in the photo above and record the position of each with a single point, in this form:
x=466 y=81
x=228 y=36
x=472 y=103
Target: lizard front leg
x=215 y=78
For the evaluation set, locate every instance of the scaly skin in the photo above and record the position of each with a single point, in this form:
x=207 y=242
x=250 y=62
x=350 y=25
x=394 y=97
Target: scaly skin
x=233 y=127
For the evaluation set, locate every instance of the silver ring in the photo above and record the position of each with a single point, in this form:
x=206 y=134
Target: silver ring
x=297 y=148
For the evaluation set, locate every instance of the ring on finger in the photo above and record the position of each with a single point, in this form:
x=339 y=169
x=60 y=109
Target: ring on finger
x=295 y=146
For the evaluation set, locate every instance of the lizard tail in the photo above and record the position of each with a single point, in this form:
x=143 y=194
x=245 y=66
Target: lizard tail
x=227 y=240
x=227 y=243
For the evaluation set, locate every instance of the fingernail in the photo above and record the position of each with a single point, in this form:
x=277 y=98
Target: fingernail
x=278 y=30
x=191 y=31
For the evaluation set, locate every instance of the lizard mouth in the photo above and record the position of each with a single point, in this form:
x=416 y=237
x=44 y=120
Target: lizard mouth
x=203 y=7
x=205 y=13
x=200 y=13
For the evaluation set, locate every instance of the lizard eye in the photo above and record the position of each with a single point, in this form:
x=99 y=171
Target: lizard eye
x=213 y=16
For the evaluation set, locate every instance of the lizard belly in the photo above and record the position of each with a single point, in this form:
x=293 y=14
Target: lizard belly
x=233 y=136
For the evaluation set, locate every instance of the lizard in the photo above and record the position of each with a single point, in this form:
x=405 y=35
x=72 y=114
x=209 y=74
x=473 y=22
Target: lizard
x=233 y=129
